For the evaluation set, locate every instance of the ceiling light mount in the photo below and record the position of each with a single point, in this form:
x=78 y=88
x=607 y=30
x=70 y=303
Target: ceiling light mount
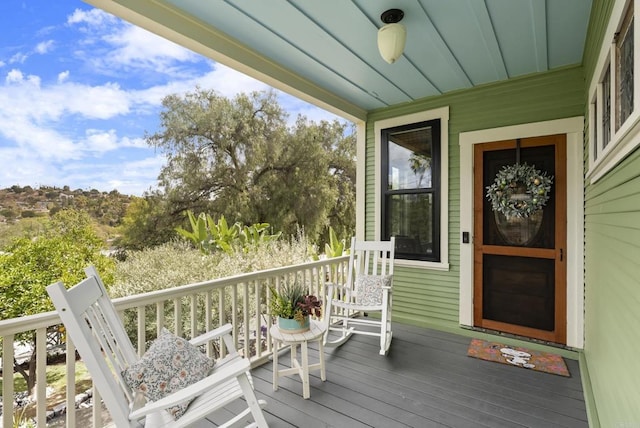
x=392 y=16
x=392 y=36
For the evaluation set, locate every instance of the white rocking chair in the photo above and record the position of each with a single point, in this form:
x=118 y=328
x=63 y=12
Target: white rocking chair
x=96 y=330
x=367 y=289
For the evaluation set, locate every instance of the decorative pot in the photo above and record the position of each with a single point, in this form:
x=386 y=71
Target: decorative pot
x=289 y=325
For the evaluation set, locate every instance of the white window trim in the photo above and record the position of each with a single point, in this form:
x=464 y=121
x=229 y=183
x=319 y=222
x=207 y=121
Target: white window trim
x=574 y=130
x=626 y=139
x=443 y=115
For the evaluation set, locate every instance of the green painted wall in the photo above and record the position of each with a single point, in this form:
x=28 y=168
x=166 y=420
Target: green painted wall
x=429 y=297
x=612 y=271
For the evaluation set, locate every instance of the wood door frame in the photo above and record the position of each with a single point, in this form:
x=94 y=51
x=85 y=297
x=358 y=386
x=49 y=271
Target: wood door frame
x=573 y=128
x=559 y=334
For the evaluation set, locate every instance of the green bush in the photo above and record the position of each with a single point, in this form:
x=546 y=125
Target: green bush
x=178 y=263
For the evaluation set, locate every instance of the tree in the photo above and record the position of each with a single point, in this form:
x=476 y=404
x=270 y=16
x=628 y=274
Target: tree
x=238 y=158
x=29 y=264
x=147 y=223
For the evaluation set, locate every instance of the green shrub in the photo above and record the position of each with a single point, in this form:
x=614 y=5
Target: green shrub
x=178 y=263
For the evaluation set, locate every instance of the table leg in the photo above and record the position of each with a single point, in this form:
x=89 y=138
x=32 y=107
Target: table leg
x=305 y=370
x=323 y=374
x=294 y=354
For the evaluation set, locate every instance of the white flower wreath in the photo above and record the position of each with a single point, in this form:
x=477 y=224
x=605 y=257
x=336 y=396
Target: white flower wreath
x=519 y=190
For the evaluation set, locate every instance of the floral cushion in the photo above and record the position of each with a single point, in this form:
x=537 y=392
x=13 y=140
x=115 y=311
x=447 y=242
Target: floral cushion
x=170 y=364
x=369 y=289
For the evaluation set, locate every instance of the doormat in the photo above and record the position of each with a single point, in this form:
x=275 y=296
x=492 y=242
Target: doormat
x=519 y=357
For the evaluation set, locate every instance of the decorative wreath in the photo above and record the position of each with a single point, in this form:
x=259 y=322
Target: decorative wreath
x=519 y=190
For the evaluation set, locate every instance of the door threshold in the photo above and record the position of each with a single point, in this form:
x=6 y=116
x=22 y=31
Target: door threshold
x=518 y=337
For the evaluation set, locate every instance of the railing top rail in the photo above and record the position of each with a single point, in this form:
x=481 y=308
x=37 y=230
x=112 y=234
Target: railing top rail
x=169 y=293
x=28 y=323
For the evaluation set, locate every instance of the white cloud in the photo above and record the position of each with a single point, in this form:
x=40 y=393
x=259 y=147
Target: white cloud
x=134 y=47
x=44 y=47
x=63 y=77
x=19 y=58
x=98 y=141
x=23 y=96
x=14 y=76
x=92 y=17
x=131 y=177
x=126 y=48
x=96 y=102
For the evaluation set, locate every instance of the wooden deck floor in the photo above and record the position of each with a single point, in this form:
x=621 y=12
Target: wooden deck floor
x=426 y=380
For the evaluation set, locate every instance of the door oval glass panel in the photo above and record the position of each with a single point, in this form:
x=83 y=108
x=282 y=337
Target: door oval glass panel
x=521 y=231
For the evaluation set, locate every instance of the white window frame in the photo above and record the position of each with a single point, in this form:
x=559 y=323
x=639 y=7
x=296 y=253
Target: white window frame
x=443 y=115
x=626 y=138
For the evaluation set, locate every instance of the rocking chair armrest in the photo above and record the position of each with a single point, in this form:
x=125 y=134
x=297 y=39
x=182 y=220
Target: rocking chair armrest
x=211 y=335
x=228 y=370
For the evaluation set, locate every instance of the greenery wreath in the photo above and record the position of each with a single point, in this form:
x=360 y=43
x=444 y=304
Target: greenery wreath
x=519 y=190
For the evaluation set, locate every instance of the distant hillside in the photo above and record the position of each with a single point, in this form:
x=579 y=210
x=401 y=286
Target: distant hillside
x=16 y=202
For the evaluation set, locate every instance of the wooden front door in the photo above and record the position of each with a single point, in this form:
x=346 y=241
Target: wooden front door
x=520 y=265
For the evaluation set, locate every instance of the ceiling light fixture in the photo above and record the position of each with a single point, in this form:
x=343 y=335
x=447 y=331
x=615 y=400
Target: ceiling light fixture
x=392 y=36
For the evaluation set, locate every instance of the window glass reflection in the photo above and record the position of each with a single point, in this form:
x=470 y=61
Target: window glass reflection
x=410 y=221
x=410 y=159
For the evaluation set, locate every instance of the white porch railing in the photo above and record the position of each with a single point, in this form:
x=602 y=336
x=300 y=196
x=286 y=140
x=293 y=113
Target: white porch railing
x=242 y=300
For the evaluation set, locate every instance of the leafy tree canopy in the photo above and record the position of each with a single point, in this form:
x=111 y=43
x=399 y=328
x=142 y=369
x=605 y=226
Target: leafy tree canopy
x=68 y=244
x=147 y=223
x=238 y=158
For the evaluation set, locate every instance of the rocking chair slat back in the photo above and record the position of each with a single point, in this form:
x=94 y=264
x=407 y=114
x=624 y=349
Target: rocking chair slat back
x=87 y=309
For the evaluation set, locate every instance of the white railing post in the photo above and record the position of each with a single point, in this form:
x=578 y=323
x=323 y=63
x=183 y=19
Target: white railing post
x=70 y=361
x=159 y=317
x=41 y=377
x=7 y=377
x=246 y=323
x=96 y=409
x=141 y=331
x=177 y=311
x=194 y=315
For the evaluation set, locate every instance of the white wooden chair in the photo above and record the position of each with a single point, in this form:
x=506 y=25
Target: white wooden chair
x=368 y=289
x=96 y=330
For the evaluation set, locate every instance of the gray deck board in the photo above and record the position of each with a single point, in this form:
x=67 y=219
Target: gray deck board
x=426 y=380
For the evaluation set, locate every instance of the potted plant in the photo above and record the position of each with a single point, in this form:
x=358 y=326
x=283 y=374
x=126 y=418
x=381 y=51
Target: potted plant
x=293 y=306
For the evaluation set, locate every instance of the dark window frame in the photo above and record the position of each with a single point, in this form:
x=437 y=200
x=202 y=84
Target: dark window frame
x=435 y=190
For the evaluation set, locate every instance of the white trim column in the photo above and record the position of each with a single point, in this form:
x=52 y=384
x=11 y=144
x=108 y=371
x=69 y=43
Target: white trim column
x=361 y=179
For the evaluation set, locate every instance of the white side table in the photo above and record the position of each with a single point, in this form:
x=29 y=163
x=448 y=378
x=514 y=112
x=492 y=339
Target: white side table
x=301 y=367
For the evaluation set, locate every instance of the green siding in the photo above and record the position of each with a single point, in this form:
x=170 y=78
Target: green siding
x=612 y=270
x=612 y=293
x=430 y=297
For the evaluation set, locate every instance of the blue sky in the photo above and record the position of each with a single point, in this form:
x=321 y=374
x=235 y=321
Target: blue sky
x=79 y=88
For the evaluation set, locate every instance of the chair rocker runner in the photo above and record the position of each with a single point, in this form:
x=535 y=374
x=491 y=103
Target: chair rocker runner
x=96 y=330
x=368 y=289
